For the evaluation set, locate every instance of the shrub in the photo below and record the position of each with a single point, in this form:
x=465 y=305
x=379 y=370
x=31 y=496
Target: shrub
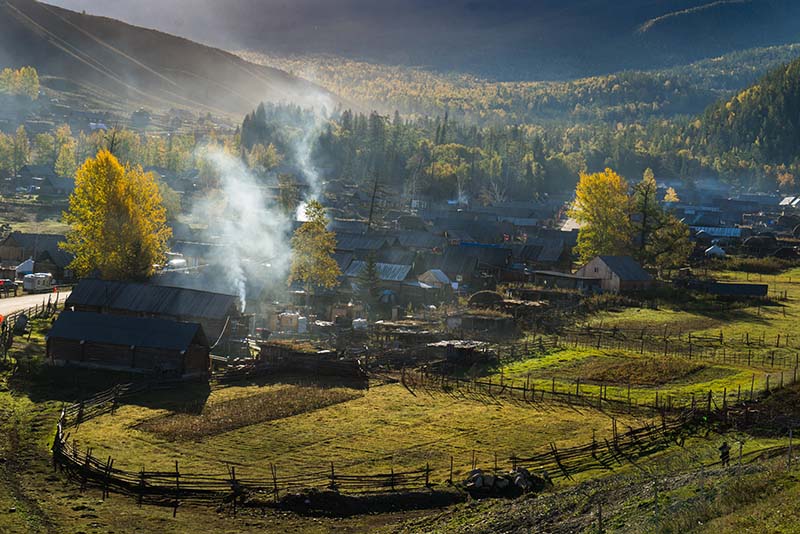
x=769 y=265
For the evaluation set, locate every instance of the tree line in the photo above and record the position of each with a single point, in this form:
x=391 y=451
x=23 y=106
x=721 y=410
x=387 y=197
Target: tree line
x=22 y=82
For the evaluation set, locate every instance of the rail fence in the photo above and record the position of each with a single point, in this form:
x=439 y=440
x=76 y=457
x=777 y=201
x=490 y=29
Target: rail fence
x=595 y=395
x=674 y=423
x=9 y=324
x=691 y=347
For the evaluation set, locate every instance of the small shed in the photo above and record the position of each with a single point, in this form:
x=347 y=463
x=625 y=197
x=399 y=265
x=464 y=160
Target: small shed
x=559 y=280
x=132 y=344
x=435 y=278
x=617 y=273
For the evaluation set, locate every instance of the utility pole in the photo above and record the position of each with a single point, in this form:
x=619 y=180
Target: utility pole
x=372 y=202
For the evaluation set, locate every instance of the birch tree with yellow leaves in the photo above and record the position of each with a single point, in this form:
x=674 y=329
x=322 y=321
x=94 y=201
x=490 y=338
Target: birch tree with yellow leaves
x=117 y=219
x=603 y=207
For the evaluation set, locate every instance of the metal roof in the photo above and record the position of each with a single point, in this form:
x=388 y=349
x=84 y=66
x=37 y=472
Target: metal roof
x=388 y=272
x=715 y=231
x=157 y=300
x=626 y=268
x=434 y=276
x=126 y=331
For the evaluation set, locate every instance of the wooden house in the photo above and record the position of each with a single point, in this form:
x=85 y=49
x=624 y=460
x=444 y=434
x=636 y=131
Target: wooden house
x=130 y=344
x=617 y=274
x=214 y=311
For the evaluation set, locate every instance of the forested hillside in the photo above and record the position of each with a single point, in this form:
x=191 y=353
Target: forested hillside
x=625 y=96
x=762 y=122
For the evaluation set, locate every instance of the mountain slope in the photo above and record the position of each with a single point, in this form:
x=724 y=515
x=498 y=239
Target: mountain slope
x=762 y=121
x=506 y=39
x=137 y=64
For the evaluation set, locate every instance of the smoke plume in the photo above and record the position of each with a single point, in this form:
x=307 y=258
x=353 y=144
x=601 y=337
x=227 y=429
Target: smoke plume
x=252 y=230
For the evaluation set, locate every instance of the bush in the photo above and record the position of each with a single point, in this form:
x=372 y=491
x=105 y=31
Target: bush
x=486 y=299
x=769 y=265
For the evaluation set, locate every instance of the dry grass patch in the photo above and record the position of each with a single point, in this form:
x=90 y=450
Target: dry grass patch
x=639 y=371
x=220 y=417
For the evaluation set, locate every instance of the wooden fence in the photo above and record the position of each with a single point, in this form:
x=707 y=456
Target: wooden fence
x=691 y=347
x=9 y=323
x=173 y=487
x=595 y=395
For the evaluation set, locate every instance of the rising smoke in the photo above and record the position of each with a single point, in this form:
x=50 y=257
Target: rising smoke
x=252 y=229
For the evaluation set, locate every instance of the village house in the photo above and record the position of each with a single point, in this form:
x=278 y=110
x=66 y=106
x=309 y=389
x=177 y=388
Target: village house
x=214 y=311
x=130 y=344
x=43 y=249
x=617 y=274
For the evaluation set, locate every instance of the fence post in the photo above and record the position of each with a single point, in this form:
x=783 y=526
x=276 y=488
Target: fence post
x=86 y=468
x=141 y=486
x=600 y=529
x=450 y=480
x=177 y=489
x=333 y=479
x=274 y=470
x=752 y=387
x=427 y=475
x=109 y=463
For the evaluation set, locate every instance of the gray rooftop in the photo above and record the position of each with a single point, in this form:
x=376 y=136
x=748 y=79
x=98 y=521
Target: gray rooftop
x=126 y=331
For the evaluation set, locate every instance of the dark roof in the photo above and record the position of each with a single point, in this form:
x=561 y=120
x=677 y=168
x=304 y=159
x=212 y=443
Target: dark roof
x=152 y=299
x=399 y=256
x=42 y=246
x=550 y=250
x=737 y=290
x=626 y=268
x=420 y=240
x=343 y=260
x=38 y=171
x=487 y=255
x=347 y=226
x=454 y=262
x=388 y=272
x=60 y=184
x=127 y=331
x=353 y=242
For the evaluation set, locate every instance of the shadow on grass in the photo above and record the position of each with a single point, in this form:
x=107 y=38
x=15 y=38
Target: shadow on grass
x=738 y=315
x=332 y=504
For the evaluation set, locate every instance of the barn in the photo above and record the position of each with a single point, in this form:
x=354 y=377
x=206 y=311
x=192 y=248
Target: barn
x=211 y=310
x=131 y=344
x=617 y=274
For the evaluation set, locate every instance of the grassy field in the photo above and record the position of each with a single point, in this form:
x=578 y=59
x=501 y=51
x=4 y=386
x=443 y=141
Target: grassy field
x=302 y=428
x=385 y=428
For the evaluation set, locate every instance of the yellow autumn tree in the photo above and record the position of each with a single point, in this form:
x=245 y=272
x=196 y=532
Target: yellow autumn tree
x=117 y=219
x=671 y=195
x=313 y=246
x=603 y=207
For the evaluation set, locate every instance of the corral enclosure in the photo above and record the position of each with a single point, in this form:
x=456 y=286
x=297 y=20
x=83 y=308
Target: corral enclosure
x=360 y=432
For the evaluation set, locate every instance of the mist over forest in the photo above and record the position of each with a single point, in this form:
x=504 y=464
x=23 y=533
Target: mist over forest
x=537 y=40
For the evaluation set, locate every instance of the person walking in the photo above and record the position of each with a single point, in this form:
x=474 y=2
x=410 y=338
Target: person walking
x=725 y=454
